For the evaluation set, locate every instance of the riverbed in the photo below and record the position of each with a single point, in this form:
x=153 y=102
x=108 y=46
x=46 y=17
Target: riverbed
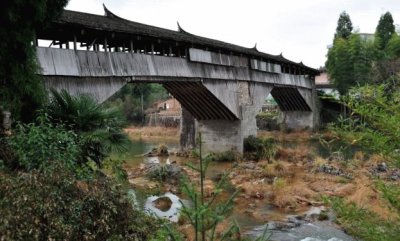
x=282 y=224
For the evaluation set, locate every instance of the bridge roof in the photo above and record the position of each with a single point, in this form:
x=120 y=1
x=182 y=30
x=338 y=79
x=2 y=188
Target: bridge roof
x=113 y=23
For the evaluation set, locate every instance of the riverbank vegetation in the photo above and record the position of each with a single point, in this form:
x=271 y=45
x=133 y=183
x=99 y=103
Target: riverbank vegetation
x=53 y=183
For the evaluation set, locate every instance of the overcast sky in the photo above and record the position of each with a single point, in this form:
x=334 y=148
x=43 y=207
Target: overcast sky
x=301 y=30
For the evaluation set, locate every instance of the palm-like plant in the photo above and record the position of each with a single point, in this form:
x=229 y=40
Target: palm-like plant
x=99 y=129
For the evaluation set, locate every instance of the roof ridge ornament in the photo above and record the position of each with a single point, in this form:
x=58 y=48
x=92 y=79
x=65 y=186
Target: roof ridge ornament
x=181 y=30
x=255 y=47
x=112 y=15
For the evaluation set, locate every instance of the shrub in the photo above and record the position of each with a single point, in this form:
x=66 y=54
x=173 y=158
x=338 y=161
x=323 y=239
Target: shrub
x=256 y=148
x=226 y=156
x=53 y=205
x=35 y=146
x=99 y=129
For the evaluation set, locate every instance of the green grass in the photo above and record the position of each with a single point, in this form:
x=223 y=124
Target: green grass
x=364 y=224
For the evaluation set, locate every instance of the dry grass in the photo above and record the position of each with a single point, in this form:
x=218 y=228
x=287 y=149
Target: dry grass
x=359 y=155
x=297 y=136
x=153 y=133
x=299 y=153
x=319 y=161
x=289 y=195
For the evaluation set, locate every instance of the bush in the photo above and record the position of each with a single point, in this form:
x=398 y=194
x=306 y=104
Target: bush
x=99 y=129
x=53 y=205
x=226 y=156
x=256 y=148
x=35 y=146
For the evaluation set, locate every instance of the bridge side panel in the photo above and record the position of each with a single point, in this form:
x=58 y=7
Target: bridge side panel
x=145 y=67
x=99 y=88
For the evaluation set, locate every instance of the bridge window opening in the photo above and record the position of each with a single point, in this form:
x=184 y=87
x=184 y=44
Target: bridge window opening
x=146 y=104
x=269 y=116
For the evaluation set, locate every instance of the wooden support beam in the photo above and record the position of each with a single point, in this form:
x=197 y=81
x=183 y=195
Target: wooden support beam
x=131 y=45
x=75 y=42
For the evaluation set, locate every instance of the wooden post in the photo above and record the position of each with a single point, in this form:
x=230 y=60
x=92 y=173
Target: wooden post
x=105 y=44
x=67 y=45
x=170 y=50
x=74 y=42
x=35 y=40
x=152 y=48
x=131 y=46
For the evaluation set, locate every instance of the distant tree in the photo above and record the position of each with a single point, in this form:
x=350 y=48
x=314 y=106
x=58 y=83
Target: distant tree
x=344 y=26
x=339 y=65
x=393 y=47
x=384 y=31
x=349 y=62
x=21 y=89
x=361 y=57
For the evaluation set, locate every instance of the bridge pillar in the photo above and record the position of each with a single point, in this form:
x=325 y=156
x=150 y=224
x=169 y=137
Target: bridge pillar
x=297 y=120
x=187 y=131
x=224 y=135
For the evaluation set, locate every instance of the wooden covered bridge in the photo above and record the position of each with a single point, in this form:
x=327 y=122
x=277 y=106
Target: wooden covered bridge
x=221 y=85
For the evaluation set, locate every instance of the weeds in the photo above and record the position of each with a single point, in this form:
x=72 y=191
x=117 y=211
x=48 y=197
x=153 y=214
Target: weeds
x=226 y=156
x=363 y=223
x=256 y=148
x=205 y=215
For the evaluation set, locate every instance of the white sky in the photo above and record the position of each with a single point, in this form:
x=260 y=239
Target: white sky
x=300 y=29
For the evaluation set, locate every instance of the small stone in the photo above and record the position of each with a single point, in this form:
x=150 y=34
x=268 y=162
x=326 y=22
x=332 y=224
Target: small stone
x=382 y=167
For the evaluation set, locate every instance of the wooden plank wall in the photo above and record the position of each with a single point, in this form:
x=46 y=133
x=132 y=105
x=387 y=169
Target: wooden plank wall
x=64 y=62
x=203 y=56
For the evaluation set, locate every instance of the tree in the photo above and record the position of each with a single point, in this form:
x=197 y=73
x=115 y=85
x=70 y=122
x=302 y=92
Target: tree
x=339 y=65
x=344 y=26
x=99 y=129
x=384 y=31
x=393 y=47
x=361 y=57
x=21 y=89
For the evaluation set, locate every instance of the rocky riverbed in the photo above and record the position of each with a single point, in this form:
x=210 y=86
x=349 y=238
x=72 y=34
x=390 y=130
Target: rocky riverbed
x=280 y=194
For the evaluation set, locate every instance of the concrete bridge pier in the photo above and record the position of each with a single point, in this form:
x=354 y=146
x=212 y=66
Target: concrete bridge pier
x=246 y=101
x=300 y=108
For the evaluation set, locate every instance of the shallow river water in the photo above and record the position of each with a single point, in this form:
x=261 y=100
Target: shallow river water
x=296 y=230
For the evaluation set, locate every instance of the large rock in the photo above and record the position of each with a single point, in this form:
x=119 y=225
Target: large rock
x=164 y=172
